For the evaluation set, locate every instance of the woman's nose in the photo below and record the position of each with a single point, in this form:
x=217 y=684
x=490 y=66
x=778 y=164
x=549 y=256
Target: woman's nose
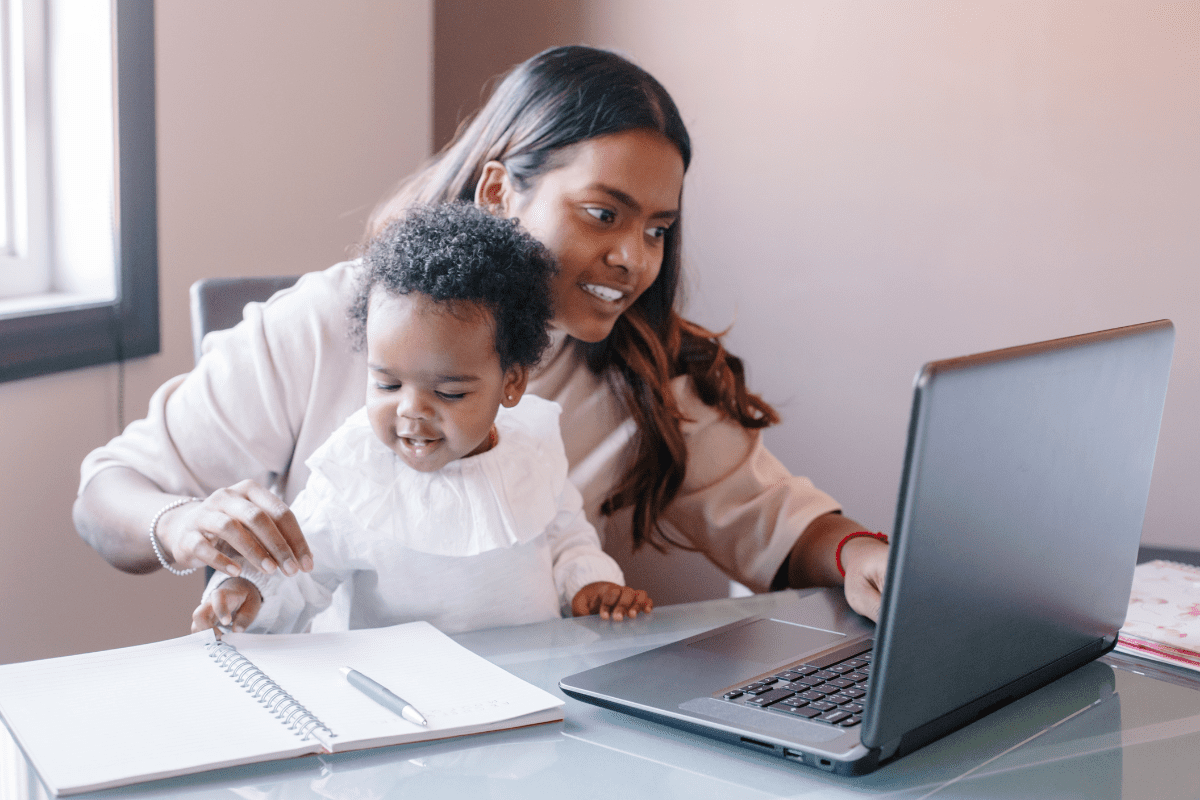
x=630 y=253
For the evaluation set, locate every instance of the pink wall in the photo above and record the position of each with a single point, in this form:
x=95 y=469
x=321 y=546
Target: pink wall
x=881 y=184
x=877 y=185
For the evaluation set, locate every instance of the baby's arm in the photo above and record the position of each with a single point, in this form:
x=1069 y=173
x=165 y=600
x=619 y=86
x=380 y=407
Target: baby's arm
x=283 y=604
x=234 y=603
x=261 y=603
x=589 y=581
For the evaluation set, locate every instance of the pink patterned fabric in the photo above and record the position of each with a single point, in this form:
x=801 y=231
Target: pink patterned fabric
x=1163 y=623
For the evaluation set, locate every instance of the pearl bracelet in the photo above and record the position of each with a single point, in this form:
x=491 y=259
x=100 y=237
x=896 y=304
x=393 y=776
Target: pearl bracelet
x=154 y=538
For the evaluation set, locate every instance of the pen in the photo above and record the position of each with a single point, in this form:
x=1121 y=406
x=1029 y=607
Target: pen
x=381 y=695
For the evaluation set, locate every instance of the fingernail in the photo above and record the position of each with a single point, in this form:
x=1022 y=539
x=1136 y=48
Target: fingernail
x=268 y=566
x=233 y=570
x=239 y=628
x=226 y=620
x=618 y=616
x=289 y=567
x=307 y=563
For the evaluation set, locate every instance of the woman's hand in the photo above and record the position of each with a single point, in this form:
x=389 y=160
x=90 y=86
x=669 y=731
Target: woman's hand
x=245 y=518
x=610 y=600
x=865 y=560
x=234 y=604
x=813 y=562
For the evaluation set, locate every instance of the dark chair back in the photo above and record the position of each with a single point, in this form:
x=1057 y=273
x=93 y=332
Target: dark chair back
x=217 y=303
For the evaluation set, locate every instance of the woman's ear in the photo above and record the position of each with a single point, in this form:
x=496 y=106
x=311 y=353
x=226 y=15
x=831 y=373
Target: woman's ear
x=514 y=385
x=494 y=191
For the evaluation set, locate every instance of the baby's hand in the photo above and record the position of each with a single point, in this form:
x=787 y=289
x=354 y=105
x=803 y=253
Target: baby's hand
x=234 y=604
x=610 y=600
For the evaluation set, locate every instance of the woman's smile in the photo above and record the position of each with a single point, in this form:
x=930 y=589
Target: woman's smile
x=604 y=213
x=605 y=293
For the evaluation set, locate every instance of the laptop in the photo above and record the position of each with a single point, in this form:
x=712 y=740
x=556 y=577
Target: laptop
x=1024 y=486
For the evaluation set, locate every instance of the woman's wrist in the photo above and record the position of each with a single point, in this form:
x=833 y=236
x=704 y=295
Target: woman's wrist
x=853 y=545
x=813 y=558
x=112 y=514
x=162 y=538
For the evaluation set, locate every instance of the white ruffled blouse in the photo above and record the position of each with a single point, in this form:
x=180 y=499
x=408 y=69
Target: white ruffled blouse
x=495 y=539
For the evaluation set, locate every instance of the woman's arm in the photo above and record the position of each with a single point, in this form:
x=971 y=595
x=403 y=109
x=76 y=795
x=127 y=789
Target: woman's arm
x=738 y=504
x=246 y=418
x=115 y=509
x=812 y=562
x=743 y=508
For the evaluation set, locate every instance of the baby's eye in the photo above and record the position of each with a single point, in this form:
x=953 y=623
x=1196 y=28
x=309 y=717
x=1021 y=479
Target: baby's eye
x=387 y=387
x=452 y=395
x=602 y=214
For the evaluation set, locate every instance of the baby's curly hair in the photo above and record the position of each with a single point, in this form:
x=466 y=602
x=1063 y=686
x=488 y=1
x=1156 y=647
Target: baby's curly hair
x=458 y=253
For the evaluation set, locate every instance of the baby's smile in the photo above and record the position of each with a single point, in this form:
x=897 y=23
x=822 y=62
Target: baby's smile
x=418 y=446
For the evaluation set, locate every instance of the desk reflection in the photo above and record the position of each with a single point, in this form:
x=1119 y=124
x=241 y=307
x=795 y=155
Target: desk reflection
x=1104 y=731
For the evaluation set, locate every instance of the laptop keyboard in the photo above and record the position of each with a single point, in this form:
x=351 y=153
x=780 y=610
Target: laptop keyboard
x=833 y=694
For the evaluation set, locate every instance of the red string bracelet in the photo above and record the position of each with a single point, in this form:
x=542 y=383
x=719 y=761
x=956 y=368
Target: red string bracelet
x=837 y=554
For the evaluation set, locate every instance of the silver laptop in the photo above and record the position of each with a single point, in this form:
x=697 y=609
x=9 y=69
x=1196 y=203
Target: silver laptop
x=1017 y=528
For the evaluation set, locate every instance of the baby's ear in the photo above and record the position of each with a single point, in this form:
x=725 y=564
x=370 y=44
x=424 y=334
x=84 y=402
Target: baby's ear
x=514 y=385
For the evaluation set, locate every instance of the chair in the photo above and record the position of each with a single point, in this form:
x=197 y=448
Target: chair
x=217 y=304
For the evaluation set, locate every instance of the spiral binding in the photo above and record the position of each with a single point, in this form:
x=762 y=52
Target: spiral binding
x=270 y=695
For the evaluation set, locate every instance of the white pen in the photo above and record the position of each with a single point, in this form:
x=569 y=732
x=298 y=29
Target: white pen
x=385 y=698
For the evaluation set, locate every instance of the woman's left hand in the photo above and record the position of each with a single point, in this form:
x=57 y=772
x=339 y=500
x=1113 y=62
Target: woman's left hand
x=813 y=562
x=865 y=560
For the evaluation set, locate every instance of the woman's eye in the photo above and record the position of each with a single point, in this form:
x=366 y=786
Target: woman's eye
x=659 y=232
x=602 y=214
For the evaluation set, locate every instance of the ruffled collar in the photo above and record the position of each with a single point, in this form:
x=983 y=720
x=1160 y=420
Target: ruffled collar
x=501 y=498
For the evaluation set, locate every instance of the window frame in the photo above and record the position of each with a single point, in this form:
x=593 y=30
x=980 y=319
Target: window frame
x=44 y=342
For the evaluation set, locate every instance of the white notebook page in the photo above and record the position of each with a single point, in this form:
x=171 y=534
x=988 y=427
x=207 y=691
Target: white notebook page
x=150 y=711
x=415 y=661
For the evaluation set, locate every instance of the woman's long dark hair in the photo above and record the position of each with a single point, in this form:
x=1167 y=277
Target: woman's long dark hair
x=556 y=99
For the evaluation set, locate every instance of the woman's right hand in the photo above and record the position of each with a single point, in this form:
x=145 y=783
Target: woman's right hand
x=244 y=519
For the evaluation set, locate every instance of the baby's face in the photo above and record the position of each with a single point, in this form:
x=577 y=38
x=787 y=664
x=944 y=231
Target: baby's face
x=434 y=382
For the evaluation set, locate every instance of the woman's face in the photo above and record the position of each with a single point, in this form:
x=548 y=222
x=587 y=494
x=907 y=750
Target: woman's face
x=604 y=213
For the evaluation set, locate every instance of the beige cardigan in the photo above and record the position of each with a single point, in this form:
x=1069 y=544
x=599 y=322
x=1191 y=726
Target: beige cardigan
x=269 y=391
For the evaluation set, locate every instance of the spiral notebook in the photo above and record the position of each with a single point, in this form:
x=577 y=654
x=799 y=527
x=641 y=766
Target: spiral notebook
x=200 y=702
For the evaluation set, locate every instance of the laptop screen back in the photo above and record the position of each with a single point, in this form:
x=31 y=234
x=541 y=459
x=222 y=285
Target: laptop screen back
x=1020 y=513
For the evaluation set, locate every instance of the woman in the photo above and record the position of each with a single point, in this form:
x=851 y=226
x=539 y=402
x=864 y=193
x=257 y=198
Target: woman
x=662 y=436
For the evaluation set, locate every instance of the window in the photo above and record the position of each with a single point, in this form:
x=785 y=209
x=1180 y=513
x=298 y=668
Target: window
x=78 y=226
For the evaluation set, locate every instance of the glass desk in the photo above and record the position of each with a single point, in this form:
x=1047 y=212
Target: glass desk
x=1117 y=728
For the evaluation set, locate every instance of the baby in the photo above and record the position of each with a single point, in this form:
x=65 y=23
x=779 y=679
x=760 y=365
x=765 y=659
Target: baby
x=446 y=497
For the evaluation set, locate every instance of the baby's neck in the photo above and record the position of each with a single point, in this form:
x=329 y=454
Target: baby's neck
x=489 y=441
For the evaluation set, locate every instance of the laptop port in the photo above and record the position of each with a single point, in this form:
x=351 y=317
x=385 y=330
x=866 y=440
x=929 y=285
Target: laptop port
x=795 y=755
x=760 y=744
